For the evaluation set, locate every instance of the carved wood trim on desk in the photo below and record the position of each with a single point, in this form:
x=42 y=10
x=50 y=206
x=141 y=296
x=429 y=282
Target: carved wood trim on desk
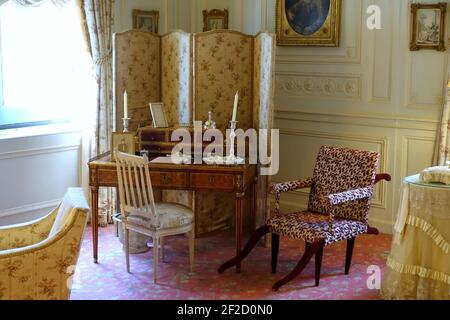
x=229 y=179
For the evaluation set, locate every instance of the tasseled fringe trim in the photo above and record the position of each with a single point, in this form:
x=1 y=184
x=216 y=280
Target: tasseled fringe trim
x=418 y=271
x=431 y=231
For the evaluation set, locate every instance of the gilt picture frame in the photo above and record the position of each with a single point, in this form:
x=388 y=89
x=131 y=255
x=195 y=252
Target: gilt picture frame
x=124 y=142
x=310 y=23
x=428 y=26
x=215 y=19
x=146 y=20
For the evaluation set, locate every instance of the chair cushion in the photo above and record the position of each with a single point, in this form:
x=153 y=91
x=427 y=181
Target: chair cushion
x=311 y=227
x=171 y=215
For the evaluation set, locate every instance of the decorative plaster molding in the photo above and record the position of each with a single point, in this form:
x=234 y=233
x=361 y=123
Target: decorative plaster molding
x=367 y=120
x=320 y=86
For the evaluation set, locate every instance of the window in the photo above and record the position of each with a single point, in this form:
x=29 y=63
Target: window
x=45 y=67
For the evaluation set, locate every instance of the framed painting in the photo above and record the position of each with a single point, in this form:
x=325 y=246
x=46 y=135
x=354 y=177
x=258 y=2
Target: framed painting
x=215 y=19
x=146 y=20
x=123 y=142
x=158 y=115
x=428 y=26
x=308 y=22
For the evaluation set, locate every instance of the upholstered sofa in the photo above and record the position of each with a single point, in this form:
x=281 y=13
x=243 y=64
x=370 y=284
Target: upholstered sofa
x=37 y=259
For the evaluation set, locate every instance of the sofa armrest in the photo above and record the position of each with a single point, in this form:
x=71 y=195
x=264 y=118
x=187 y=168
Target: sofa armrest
x=41 y=271
x=26 y=234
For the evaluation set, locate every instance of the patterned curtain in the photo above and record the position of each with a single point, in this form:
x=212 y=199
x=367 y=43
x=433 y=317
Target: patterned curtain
x=97 y=16
x=443 y=140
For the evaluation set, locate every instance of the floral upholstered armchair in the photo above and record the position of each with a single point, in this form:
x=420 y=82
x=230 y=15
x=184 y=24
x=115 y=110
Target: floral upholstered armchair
x=341 y=189
x=37 y=258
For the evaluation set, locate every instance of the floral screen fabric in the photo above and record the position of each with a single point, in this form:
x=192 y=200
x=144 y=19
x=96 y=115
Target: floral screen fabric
x=224 y=65
x=176 y=78
x=137 y=68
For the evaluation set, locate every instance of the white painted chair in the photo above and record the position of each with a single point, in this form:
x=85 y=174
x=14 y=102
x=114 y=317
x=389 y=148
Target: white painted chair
x=140 y=212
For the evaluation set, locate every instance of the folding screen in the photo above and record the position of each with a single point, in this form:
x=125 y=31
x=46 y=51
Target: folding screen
x=223 y=65
x=176 y=77
x=137 y=69
x=192 y=75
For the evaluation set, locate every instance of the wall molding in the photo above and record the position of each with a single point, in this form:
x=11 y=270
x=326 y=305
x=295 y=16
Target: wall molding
x=29 y=208
x=378 y=120
x=379 y=199
x=323 y=86
x=373 y=58
x=38 y=151
x=406 y=139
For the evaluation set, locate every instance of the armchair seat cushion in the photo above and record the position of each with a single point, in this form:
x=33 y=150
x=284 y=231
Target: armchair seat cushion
x=171 y=215
x=311 y=227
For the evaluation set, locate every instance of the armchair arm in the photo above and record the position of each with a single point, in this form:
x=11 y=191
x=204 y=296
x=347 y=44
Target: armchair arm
x=25 y=234
x=350 y=195
x=41 y=271
x=278 y=188
x=290 y=185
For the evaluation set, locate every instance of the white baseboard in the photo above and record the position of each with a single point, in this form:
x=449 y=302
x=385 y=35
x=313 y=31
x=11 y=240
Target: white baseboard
x=30 y=208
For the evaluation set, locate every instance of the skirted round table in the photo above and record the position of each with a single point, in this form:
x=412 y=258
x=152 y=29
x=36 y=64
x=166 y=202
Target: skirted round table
x=418 y=266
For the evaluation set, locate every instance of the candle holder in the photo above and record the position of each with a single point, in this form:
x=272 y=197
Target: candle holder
x=126 y=122
x=233 y=126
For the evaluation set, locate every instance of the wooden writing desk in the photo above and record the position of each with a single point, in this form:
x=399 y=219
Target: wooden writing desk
x=235 y=179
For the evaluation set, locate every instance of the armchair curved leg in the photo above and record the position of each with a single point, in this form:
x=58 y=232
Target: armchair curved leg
x=311 y=250
x=275 y=251
x=247 y=249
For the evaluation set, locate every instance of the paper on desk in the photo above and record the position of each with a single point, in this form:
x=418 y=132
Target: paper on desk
x=172 y=160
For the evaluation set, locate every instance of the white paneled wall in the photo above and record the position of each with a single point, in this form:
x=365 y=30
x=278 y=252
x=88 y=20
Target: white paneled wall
x=370 y=93
x=35 y=172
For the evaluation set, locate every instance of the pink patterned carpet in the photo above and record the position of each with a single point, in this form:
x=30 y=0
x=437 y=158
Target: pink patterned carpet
x=109 y=279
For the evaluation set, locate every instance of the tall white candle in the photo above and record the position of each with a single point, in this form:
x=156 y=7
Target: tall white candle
x=125 y=105
x=236 y=98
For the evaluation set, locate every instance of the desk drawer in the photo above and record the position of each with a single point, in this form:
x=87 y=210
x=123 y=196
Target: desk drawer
x=212 y=181
x=153 y=136
x=169 y=179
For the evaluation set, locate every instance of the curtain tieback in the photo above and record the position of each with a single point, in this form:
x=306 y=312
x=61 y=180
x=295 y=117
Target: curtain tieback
x=104 y=59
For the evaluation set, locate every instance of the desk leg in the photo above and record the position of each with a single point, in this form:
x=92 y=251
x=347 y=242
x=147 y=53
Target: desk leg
x=239 y=211
x=94 y=221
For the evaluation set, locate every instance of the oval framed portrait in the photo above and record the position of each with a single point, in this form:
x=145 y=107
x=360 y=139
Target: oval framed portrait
x=308 y=22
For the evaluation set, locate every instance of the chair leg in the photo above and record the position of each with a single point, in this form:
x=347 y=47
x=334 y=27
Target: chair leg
x=349 y=254
x=127 y=248
x=248 y=247
x=312 y=249
x=192 y=250
x=319 y=255
x=161 y=244
x=155 y=258
x=275 y=251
